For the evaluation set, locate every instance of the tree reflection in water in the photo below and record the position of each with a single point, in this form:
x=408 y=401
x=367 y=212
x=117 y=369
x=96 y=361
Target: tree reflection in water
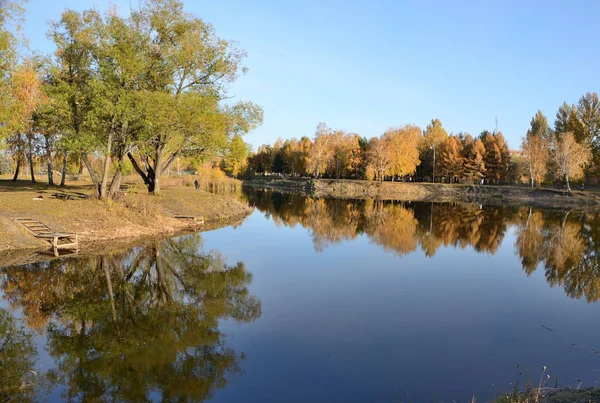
x=566 y=244
x=131 y=325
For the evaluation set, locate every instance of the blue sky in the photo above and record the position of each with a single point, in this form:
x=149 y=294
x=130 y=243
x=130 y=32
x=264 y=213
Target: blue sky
x=363 y=66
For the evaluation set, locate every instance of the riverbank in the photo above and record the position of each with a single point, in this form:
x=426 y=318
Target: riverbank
x=136 y=215
x=553 y=395
x=433 y=192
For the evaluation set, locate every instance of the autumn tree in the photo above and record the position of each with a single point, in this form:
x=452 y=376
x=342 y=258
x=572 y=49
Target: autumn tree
x=403 y=147
x=28 y=96
x=536 y=148
x=321 y=151
x=473 y=152
x=451 y=160
x=570 y=157
x=497 y=156
x=379 y=157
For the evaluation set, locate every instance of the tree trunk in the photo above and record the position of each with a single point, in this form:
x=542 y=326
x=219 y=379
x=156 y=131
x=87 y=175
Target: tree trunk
x=31 y=168
x=104 y=183
x=567 y=180
x=80 y=172
x=531 y=176
x=30 y=155
x=49 y=161
x=17 y=169
x=115 y=186
x=92 y=172
x=64 y=169
x=158 y=171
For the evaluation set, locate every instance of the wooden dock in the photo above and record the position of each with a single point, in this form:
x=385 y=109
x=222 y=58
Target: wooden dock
x=192 y=220
x=58 y=240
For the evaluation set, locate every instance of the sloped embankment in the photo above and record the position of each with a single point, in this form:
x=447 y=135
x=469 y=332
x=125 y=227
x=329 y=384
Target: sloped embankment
x=438 y=192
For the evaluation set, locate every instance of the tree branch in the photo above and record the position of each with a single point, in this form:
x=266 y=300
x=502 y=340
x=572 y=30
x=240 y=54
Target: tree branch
x=137 y=168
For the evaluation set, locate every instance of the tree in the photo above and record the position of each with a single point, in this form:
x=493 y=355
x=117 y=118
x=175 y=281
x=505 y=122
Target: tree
x=588 y=112
x=190 y=74
x=451 y=161
x=28 y=96
x=403 y=146
x=148 y=106
x=497 y=156
x=570 y=157
x=379 y=157
x=11 y=13
x=536 y=148
x=433 y=137
x=72 y=85
x=473 y=159
x=567 y=120
x=235 y=160
x=321 y=151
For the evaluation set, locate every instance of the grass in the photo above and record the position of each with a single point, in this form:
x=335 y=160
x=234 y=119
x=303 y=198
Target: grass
x=135 y=214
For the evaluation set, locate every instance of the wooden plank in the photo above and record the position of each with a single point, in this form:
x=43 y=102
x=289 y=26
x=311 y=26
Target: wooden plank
x=58 y=240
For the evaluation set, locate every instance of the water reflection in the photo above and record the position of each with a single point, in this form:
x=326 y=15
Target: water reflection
x=129 y=326
x=565 y=244
x=18 y=356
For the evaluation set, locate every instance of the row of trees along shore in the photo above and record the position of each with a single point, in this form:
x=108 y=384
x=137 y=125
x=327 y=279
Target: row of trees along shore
x=137 y=92
x=569 y=151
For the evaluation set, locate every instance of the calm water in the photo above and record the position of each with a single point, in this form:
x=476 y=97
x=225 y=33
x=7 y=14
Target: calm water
x=314 y=301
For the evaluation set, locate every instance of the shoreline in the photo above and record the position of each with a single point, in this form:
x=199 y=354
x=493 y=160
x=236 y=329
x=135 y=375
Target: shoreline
x=433 y=192
x=102 y=225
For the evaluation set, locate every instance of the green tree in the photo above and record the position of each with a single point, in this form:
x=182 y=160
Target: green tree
x=567 y=120
x=235 y=160
x=11 y=13
x=72 y=85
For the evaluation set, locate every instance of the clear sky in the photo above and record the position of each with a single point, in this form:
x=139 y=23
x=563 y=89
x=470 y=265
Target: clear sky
x=363 y=66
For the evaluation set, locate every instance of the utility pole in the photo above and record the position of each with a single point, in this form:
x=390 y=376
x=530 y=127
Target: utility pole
x=433 y=175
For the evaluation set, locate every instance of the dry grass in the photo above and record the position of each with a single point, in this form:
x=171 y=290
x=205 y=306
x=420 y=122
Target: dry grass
x=136 y=214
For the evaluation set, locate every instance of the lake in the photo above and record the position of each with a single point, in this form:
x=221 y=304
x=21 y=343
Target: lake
x=315 y=300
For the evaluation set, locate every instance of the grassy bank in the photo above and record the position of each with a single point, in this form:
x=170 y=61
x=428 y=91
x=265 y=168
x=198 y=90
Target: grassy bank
x=438 y=192
x=136 y=214
x=551 y=395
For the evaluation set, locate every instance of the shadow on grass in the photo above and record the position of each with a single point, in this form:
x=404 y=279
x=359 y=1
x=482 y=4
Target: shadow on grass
x=22 y=185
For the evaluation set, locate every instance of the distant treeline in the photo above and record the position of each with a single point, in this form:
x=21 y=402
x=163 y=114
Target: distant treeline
x=563 y=153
